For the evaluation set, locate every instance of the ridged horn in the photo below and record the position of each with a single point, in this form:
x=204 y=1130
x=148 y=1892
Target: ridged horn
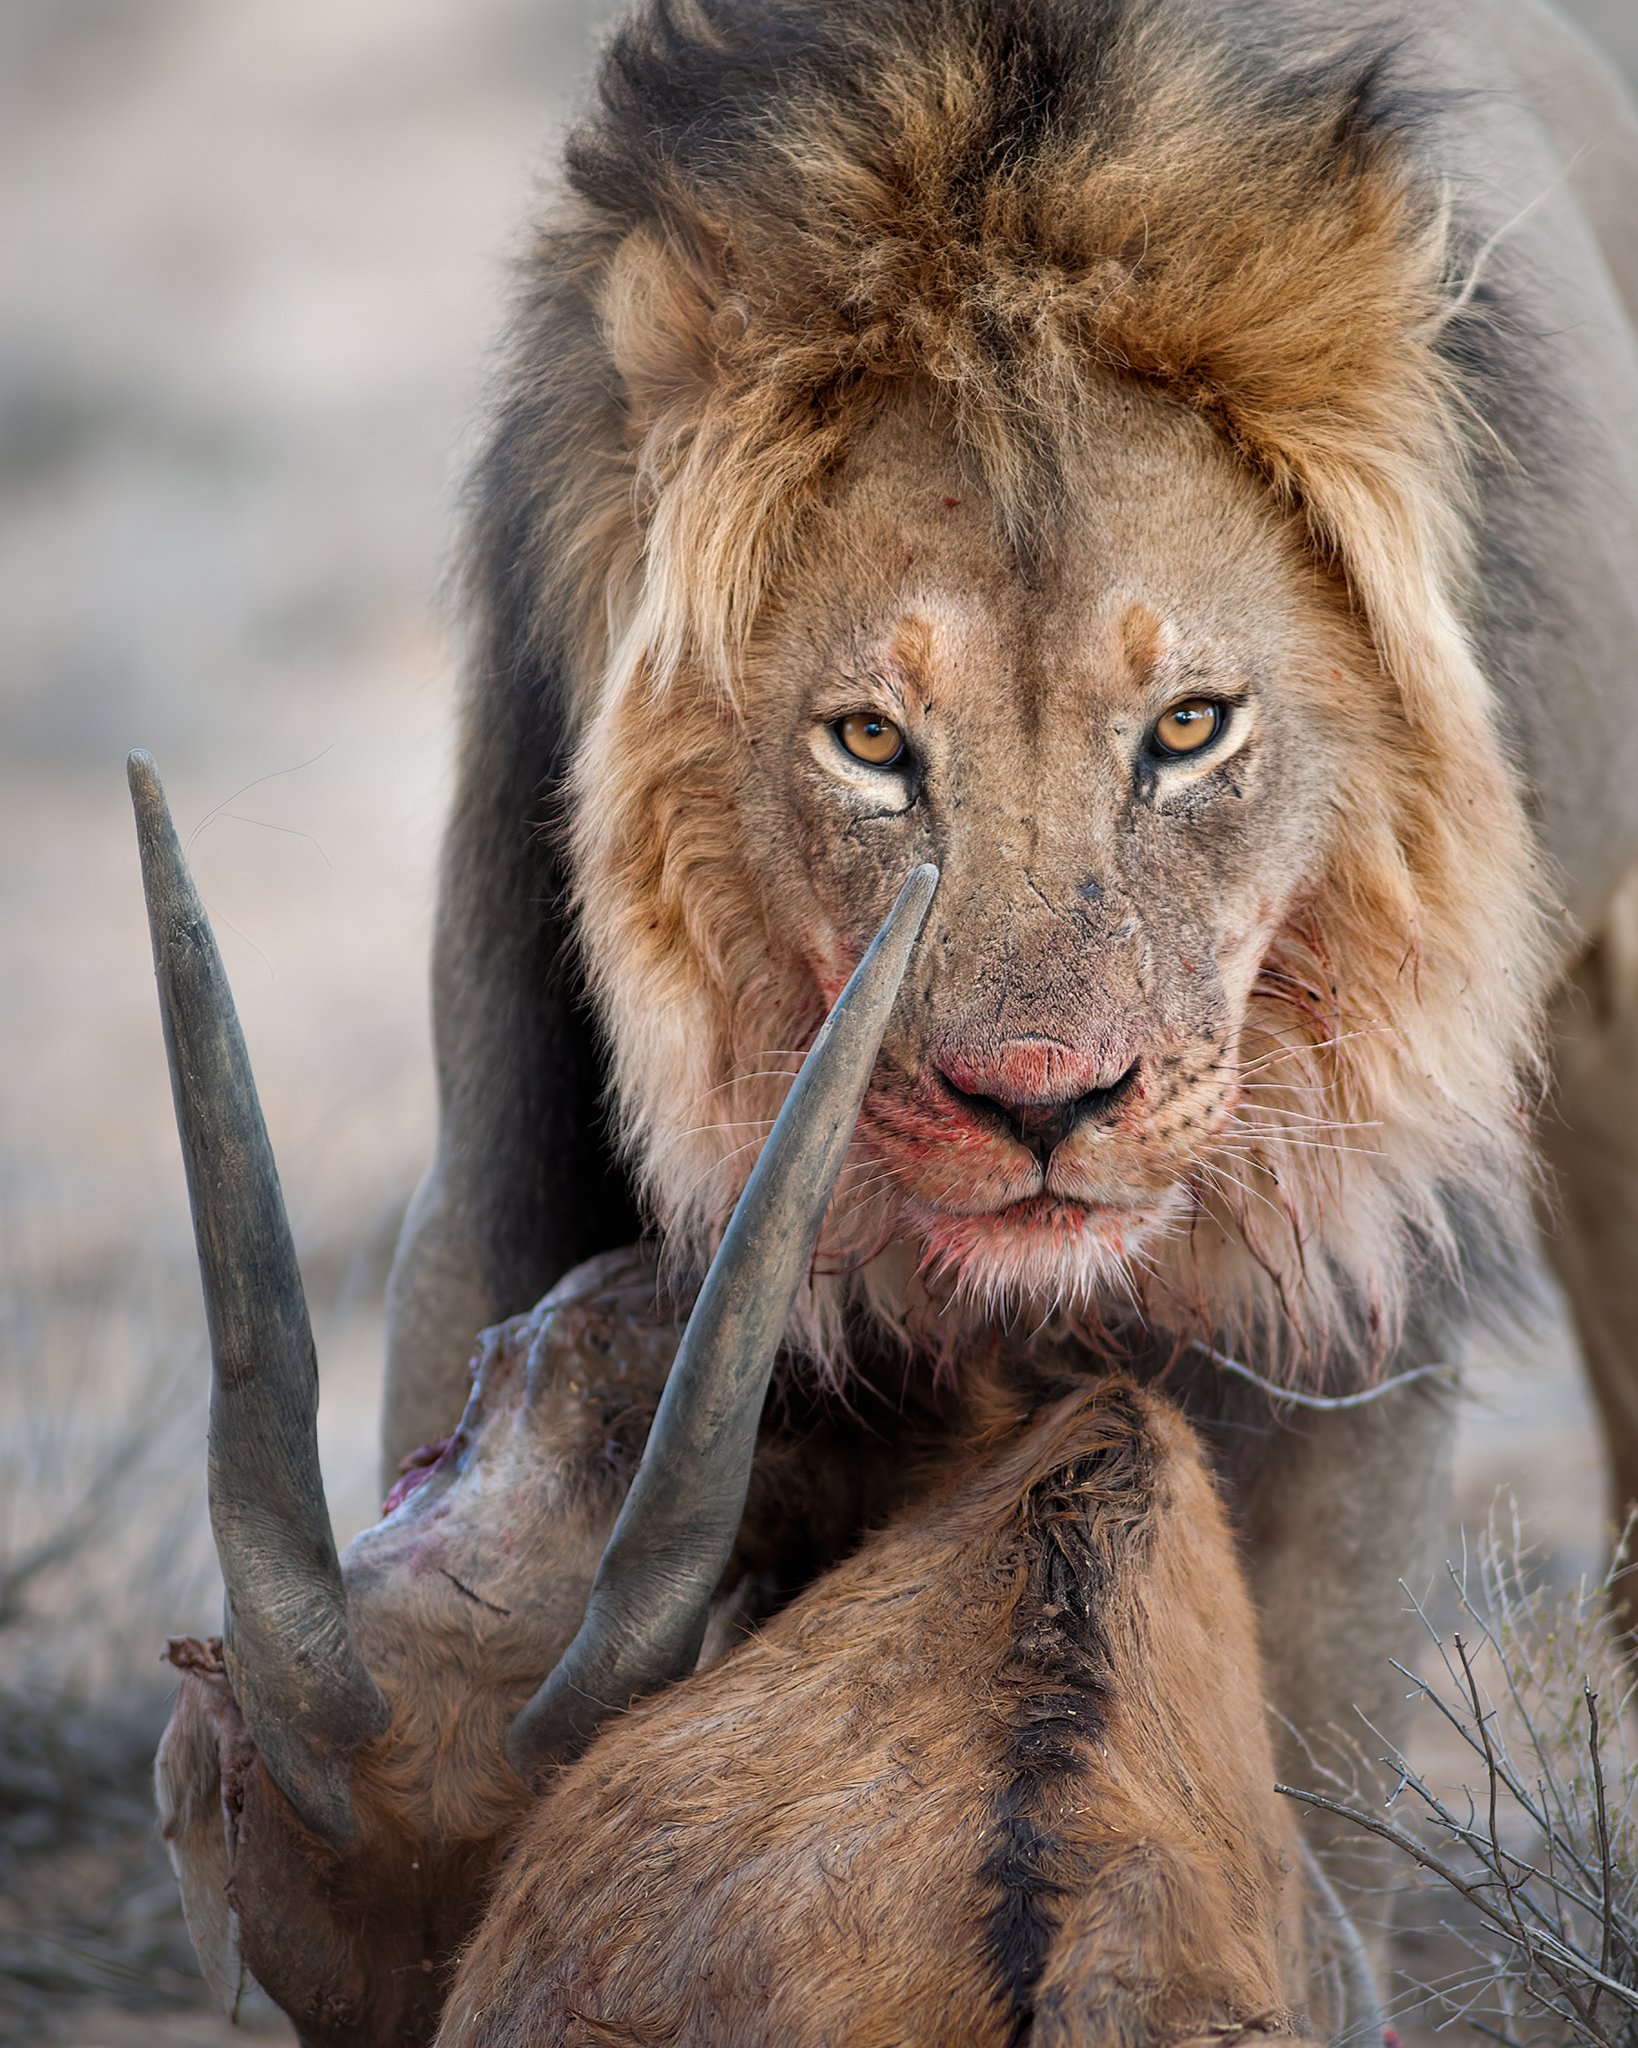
x=645 y=1619
x=298 y=1679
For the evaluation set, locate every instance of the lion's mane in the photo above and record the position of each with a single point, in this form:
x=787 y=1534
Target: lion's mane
x=776 y=222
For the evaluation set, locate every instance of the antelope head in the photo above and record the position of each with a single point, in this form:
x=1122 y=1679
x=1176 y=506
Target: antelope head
x=342 y=1769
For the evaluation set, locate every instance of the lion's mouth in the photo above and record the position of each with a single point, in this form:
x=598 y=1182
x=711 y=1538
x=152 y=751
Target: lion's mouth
x=1043 y=1211
x=1043 y=1247
x=1047 y=1209
x=1062 y=1218
x=1017 y=1167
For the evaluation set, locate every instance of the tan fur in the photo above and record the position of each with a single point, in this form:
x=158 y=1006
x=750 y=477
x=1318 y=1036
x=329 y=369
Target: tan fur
x=924 y=1767
x=1009 y=1758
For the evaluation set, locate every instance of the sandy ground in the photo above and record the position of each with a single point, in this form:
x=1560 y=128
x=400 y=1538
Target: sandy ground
x=256 y=250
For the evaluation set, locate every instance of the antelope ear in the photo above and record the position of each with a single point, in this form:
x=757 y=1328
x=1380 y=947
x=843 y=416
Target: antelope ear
x=205 y=1749
x=193 y=1827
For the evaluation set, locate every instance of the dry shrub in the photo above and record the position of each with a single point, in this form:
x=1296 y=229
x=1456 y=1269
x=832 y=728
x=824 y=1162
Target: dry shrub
x=1532 y=1877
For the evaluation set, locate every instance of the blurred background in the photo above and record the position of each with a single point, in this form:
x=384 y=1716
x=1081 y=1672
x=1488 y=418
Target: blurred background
x=255 y=256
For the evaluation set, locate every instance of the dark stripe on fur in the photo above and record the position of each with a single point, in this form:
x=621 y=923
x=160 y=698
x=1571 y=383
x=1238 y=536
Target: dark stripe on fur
x=1077 y=1527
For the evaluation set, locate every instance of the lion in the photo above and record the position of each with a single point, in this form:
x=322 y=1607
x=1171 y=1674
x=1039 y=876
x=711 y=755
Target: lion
x=1169 y=465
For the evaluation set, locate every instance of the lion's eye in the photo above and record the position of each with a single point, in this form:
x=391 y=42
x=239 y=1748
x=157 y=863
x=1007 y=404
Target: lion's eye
x=869 y=738
x=1189 y=726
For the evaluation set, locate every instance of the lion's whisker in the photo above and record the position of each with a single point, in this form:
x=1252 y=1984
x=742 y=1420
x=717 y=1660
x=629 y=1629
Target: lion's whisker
x=1285 y=1115
x=688 y=1193
x=1220 y=1173
x=749 y=1074
x=1312 y=1045
x=1121 y=1274
x=746 y=1123
x=1256 y=1134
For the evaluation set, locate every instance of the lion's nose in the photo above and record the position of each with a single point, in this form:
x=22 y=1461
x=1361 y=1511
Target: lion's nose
x=1039 y=1091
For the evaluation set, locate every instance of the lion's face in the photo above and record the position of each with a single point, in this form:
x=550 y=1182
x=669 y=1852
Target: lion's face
x=1121 y=762
x=1202 y=1018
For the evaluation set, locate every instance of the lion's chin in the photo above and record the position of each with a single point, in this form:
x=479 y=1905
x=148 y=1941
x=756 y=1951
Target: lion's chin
x=1045 y=1250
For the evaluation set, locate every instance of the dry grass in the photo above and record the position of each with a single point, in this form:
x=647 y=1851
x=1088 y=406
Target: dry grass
x=100 y=1543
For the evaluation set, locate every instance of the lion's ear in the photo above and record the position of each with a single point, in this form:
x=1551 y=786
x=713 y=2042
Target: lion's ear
x=720 y=455
x=663 y=316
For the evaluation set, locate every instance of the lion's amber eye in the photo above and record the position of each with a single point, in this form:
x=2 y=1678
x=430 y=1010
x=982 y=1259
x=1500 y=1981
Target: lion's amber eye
x=869 y=738
x=1188 y=726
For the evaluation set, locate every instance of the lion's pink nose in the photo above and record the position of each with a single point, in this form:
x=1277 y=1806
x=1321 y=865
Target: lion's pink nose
x=1031 y=1073
x=1039 y=1089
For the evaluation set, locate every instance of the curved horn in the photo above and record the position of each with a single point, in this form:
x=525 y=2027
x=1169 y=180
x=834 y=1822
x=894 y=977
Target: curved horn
x=297 y=1677
x=645 y=1619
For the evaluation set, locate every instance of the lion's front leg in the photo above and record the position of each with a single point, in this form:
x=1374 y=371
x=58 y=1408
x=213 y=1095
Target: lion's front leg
x=1341 y=1508
x=1590 y=1139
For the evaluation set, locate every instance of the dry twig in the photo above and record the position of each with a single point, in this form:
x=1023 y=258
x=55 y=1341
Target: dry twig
x=1544 y=1858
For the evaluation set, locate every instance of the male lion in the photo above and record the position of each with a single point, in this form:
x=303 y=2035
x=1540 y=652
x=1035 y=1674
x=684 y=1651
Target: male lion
x=1167 y=462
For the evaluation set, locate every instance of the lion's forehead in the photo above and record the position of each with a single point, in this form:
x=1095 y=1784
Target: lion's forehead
x=1168 y=558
